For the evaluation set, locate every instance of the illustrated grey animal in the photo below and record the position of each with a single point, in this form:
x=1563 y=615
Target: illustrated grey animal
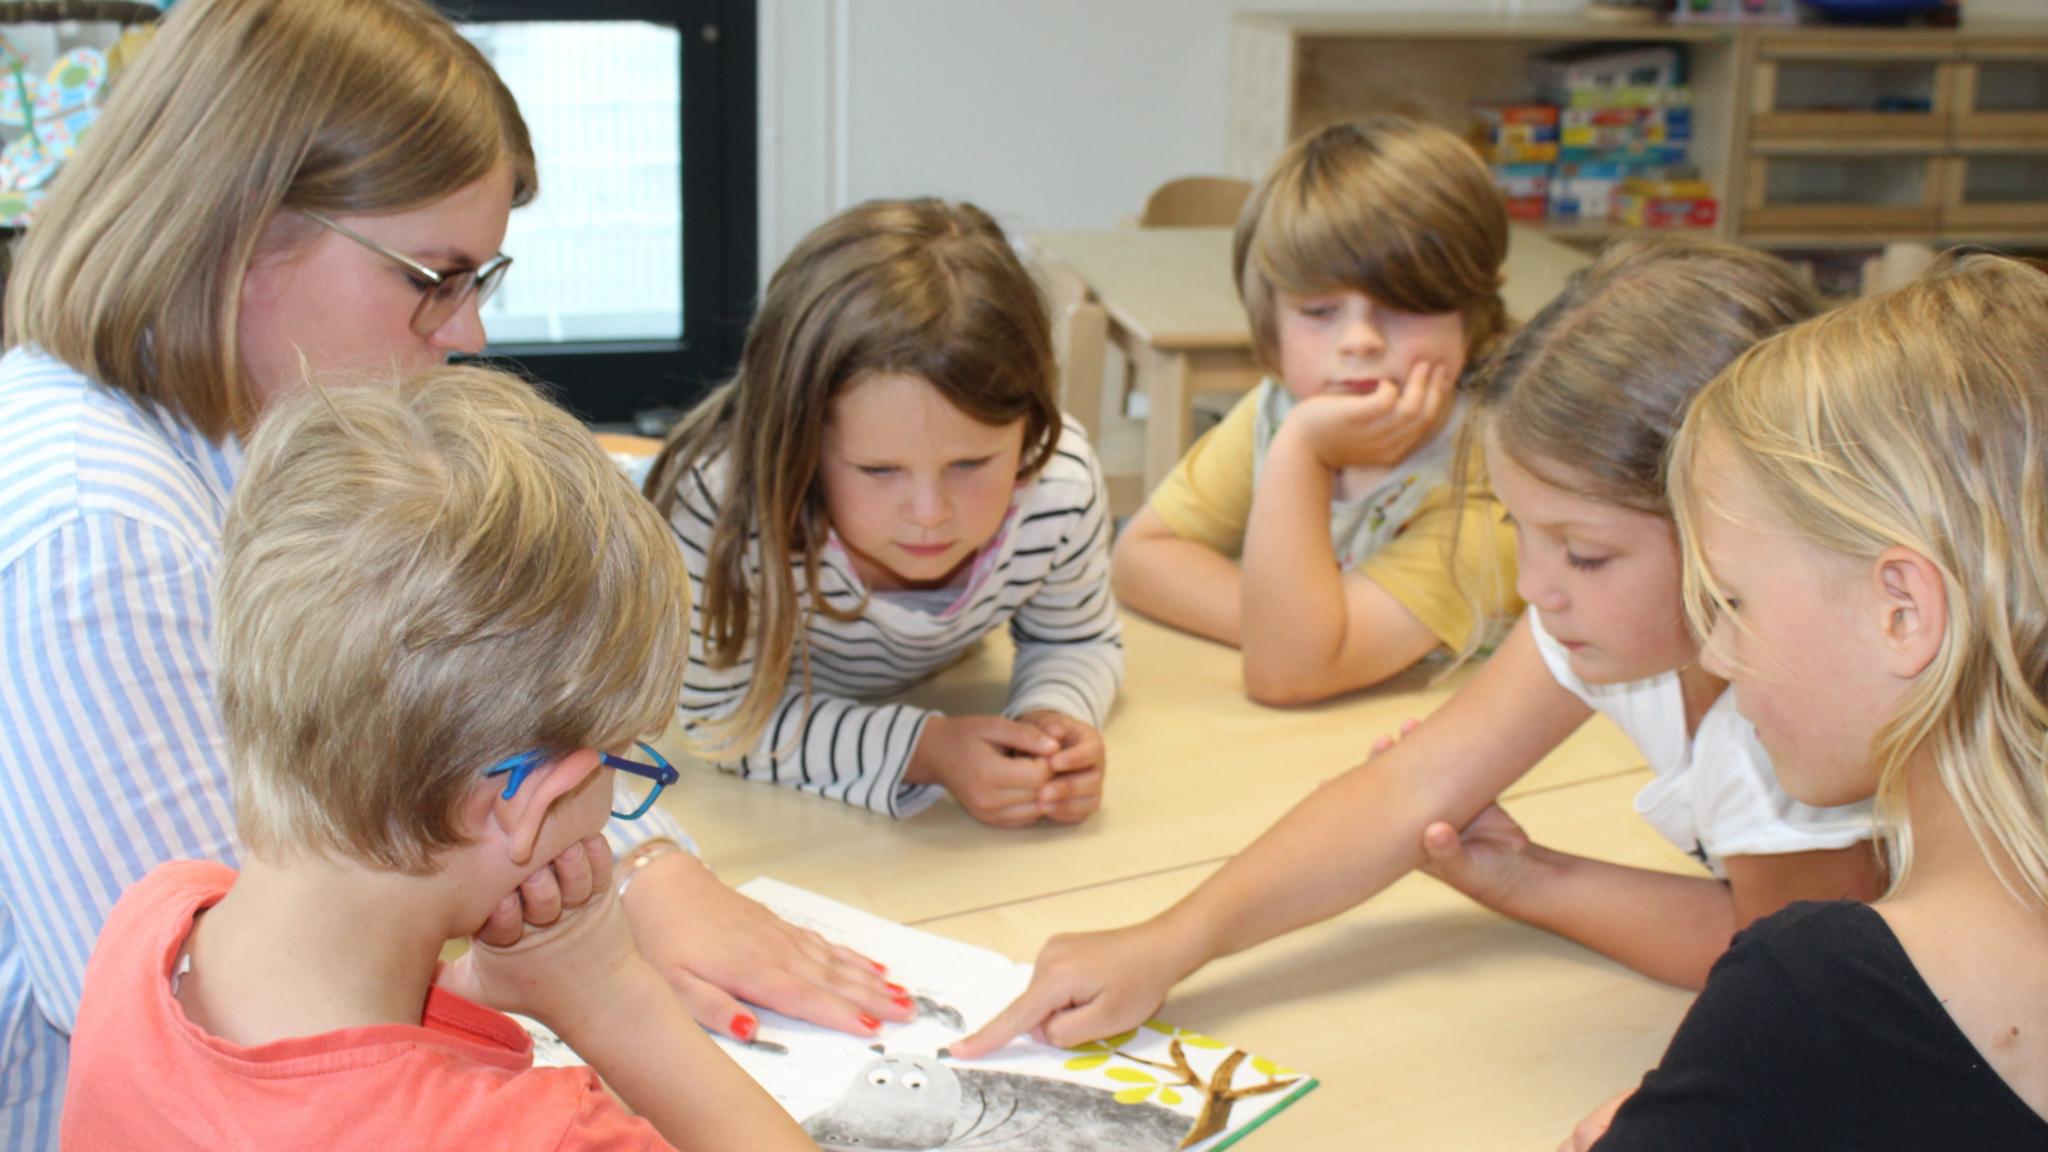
x=913 y=1104
x=930 y=1009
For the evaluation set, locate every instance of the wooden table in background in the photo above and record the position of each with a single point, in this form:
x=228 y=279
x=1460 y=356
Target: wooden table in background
x=1174 y=312
x=1432 y=1023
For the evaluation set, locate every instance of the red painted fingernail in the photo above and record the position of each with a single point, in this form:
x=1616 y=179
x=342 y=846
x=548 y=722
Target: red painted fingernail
x=879 y=966
x=868 y=1022
x=904 y=1002
x=899 y=990
x=743 y=1026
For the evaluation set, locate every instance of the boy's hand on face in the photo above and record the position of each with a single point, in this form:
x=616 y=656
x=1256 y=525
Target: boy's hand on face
x=994 y=766
x=1075 y=789
x=556 y=973
x=565 y=883
x=1379 y=429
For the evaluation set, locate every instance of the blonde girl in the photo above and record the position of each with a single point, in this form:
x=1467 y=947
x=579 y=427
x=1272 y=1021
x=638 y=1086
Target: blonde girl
x=1574 y=419
x=885 y=481
x=1862 y=504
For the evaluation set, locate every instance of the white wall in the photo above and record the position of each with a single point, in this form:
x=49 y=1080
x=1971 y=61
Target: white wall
x=1052 y=114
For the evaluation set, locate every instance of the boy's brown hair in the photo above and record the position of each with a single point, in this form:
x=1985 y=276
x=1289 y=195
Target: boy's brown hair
x=418 y=580
x=1404 y=212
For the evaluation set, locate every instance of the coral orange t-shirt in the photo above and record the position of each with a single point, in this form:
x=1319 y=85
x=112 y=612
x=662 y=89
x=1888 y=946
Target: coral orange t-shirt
x=144 y=1076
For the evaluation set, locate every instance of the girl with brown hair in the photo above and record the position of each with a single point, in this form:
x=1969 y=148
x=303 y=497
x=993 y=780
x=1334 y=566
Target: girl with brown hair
x=886 y=480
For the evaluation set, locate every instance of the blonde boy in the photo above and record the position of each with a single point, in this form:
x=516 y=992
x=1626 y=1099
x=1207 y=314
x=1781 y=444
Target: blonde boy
x=440 y=610
x=1369 y=264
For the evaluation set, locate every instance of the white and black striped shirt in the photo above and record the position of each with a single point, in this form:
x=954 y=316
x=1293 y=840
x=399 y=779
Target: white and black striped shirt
x=1047 y=578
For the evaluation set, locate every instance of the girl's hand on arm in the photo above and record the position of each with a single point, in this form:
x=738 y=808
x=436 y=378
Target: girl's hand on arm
x=1075 y=789
x=995 y=767
x=715 y=946
x=1487 y=861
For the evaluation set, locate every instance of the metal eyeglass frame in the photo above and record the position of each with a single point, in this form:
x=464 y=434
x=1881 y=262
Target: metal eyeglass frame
x=520 y=764
x=461 y=282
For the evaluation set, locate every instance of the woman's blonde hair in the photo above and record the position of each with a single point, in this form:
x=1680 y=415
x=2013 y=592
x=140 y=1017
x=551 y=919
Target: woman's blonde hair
x=237 y=110
x=1589 y=393
x=914 y=287
x=1402 y=211
x=1919 y=419
x=416 y=581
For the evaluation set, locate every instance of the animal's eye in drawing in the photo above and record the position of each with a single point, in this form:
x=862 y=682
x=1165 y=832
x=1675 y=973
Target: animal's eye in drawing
x=879 y=1076
x=913 y=1079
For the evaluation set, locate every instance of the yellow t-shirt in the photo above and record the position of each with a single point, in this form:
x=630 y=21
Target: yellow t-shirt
x=1208 y=498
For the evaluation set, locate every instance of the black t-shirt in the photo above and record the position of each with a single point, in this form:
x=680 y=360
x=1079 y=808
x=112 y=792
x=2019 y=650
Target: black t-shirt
x=1815 y=1031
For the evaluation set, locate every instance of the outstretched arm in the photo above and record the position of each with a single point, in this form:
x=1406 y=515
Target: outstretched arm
x=1354 y=836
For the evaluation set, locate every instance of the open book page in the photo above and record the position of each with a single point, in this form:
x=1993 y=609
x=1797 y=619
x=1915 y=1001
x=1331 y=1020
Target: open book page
x=1157 y=1089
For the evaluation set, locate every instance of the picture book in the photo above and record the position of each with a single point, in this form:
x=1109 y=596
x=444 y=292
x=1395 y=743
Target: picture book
x=1155 y=1089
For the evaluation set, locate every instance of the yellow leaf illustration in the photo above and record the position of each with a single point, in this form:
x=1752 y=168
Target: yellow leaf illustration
x=1197 y=1040
x=1168 y=1096
x=1133 y=1095
x=1084 y=1063
x=1130 y=1076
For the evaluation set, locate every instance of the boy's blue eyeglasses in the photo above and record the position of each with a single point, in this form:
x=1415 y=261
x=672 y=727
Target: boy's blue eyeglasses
x=516 y=768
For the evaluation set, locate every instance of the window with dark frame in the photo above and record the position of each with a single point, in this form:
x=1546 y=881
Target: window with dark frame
x=635 y=269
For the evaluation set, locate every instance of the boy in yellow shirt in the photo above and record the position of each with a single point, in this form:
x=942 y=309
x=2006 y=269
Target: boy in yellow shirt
x=1313 y=528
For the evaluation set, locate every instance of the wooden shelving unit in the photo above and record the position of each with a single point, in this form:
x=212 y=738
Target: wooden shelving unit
x=1812 y=136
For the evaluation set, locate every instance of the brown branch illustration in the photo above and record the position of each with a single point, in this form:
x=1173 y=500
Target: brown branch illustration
x=1218 y=1097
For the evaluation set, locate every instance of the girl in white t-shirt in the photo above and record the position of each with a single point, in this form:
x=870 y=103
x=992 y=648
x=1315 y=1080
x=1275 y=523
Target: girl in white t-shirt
x=1574 y=417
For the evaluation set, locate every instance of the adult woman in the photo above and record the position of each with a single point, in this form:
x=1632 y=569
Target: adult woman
x=277 y=186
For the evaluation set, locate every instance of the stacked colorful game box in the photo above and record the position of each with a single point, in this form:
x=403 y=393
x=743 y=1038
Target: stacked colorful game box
x=1610 y=141
x=1521 y=141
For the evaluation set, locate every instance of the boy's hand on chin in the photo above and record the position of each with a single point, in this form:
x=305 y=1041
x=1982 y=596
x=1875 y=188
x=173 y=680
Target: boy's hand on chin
x=1378 y=429
x=547 y=972
x=564 y=883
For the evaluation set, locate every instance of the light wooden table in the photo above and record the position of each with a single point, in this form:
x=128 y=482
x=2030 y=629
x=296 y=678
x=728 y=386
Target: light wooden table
x=1196 y=771
x=1431 y=1023
x=1174 y=312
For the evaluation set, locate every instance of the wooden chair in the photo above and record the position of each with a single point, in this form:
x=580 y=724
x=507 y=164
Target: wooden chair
x=1195 y=202
x=1080 y=341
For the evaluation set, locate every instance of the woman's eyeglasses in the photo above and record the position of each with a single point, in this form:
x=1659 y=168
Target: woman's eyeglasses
x=442 y=294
